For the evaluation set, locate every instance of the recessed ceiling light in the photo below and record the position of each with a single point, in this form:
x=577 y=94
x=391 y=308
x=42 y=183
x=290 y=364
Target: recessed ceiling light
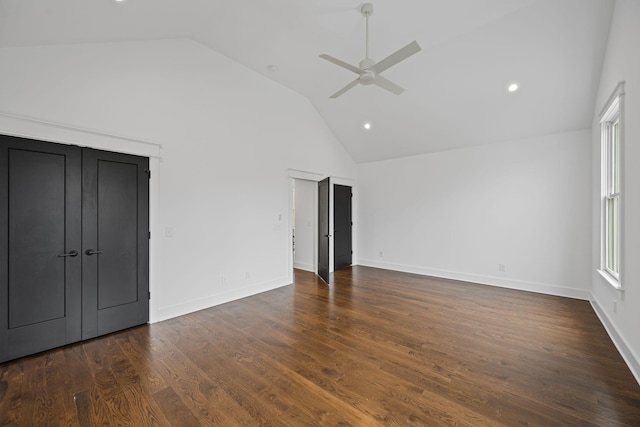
x=273 y=68
x=513 y=87
x=366 y=125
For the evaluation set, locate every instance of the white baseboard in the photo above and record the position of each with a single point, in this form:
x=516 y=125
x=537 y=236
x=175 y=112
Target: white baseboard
x=629 y=356
x=213 y=300
x=304 y=266
x=541 y=288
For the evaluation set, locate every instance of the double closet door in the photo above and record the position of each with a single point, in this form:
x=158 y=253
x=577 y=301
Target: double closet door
x=74 y=244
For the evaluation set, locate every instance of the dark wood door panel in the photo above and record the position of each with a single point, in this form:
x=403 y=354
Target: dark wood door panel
x=117 y=233
x=342 y=239
x=36 y=205
x=40 y=304
x=323 y=229
x=115 y=228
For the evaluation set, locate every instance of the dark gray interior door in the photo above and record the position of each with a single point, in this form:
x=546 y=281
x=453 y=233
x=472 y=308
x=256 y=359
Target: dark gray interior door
x=323 y=229
x=74 y=244
x=342 y=225
x=115 y=242
x=40 y=260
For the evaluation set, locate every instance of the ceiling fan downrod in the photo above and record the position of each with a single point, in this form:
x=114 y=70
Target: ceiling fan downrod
x=367 y=11
x=368 y=77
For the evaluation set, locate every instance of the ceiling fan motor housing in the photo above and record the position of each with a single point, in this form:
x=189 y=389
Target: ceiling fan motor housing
x=367 y=77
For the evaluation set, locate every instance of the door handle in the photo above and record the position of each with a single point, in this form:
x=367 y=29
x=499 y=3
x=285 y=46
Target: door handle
x=92 y=252
x=72 y=253
x=327 y=235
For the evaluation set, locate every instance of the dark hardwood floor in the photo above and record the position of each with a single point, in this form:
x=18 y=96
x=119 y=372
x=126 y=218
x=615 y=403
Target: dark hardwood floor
x=375 y=348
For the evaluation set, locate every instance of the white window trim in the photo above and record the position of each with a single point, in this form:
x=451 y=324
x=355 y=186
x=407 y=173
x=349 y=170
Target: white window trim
x=612 y=110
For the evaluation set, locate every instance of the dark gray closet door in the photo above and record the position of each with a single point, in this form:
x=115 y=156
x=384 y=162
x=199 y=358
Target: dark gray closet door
x=342 y=226
x=40 y=261
x=115 y=242
x=323 y=230
x=74 y=244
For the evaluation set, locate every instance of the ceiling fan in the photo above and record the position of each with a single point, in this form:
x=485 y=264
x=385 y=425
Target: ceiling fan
x=369 y=70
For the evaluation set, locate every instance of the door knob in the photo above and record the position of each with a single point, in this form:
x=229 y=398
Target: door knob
x=72 y=253
x=92 y=252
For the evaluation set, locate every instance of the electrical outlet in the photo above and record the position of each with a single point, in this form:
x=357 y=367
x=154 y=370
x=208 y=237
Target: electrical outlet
x=247 y=275
x=223 y=280
x=381 y=254
x=502 y=268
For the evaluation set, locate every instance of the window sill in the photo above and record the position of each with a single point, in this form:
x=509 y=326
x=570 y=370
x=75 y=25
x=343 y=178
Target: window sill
x=611 y=280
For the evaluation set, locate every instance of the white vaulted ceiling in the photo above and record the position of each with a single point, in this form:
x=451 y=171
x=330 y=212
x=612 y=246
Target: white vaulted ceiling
x=456 y=87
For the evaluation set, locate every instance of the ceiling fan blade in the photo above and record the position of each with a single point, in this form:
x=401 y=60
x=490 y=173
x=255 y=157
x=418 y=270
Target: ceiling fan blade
x=344 y=89
x=342 y=64
x=397 y=56
x=388 y=85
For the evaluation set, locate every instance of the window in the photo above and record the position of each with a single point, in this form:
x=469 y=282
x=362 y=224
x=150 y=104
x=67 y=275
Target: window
x=611 y=140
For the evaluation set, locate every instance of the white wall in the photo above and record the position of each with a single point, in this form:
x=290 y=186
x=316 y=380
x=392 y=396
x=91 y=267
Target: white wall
x=622 y=63
x=459 y=214
x=228 y=136
x=306 y=201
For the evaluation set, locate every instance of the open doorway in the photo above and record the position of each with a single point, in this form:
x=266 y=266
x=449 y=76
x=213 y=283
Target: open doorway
x=304 y=230
x=304 y=221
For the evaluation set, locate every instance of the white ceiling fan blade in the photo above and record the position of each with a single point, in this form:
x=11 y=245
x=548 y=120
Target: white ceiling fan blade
x=344 y=89
x=342 y=64
x=388 y=85
x=397 y=56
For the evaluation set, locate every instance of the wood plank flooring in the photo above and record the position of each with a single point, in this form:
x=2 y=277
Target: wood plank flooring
x=375 y=348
